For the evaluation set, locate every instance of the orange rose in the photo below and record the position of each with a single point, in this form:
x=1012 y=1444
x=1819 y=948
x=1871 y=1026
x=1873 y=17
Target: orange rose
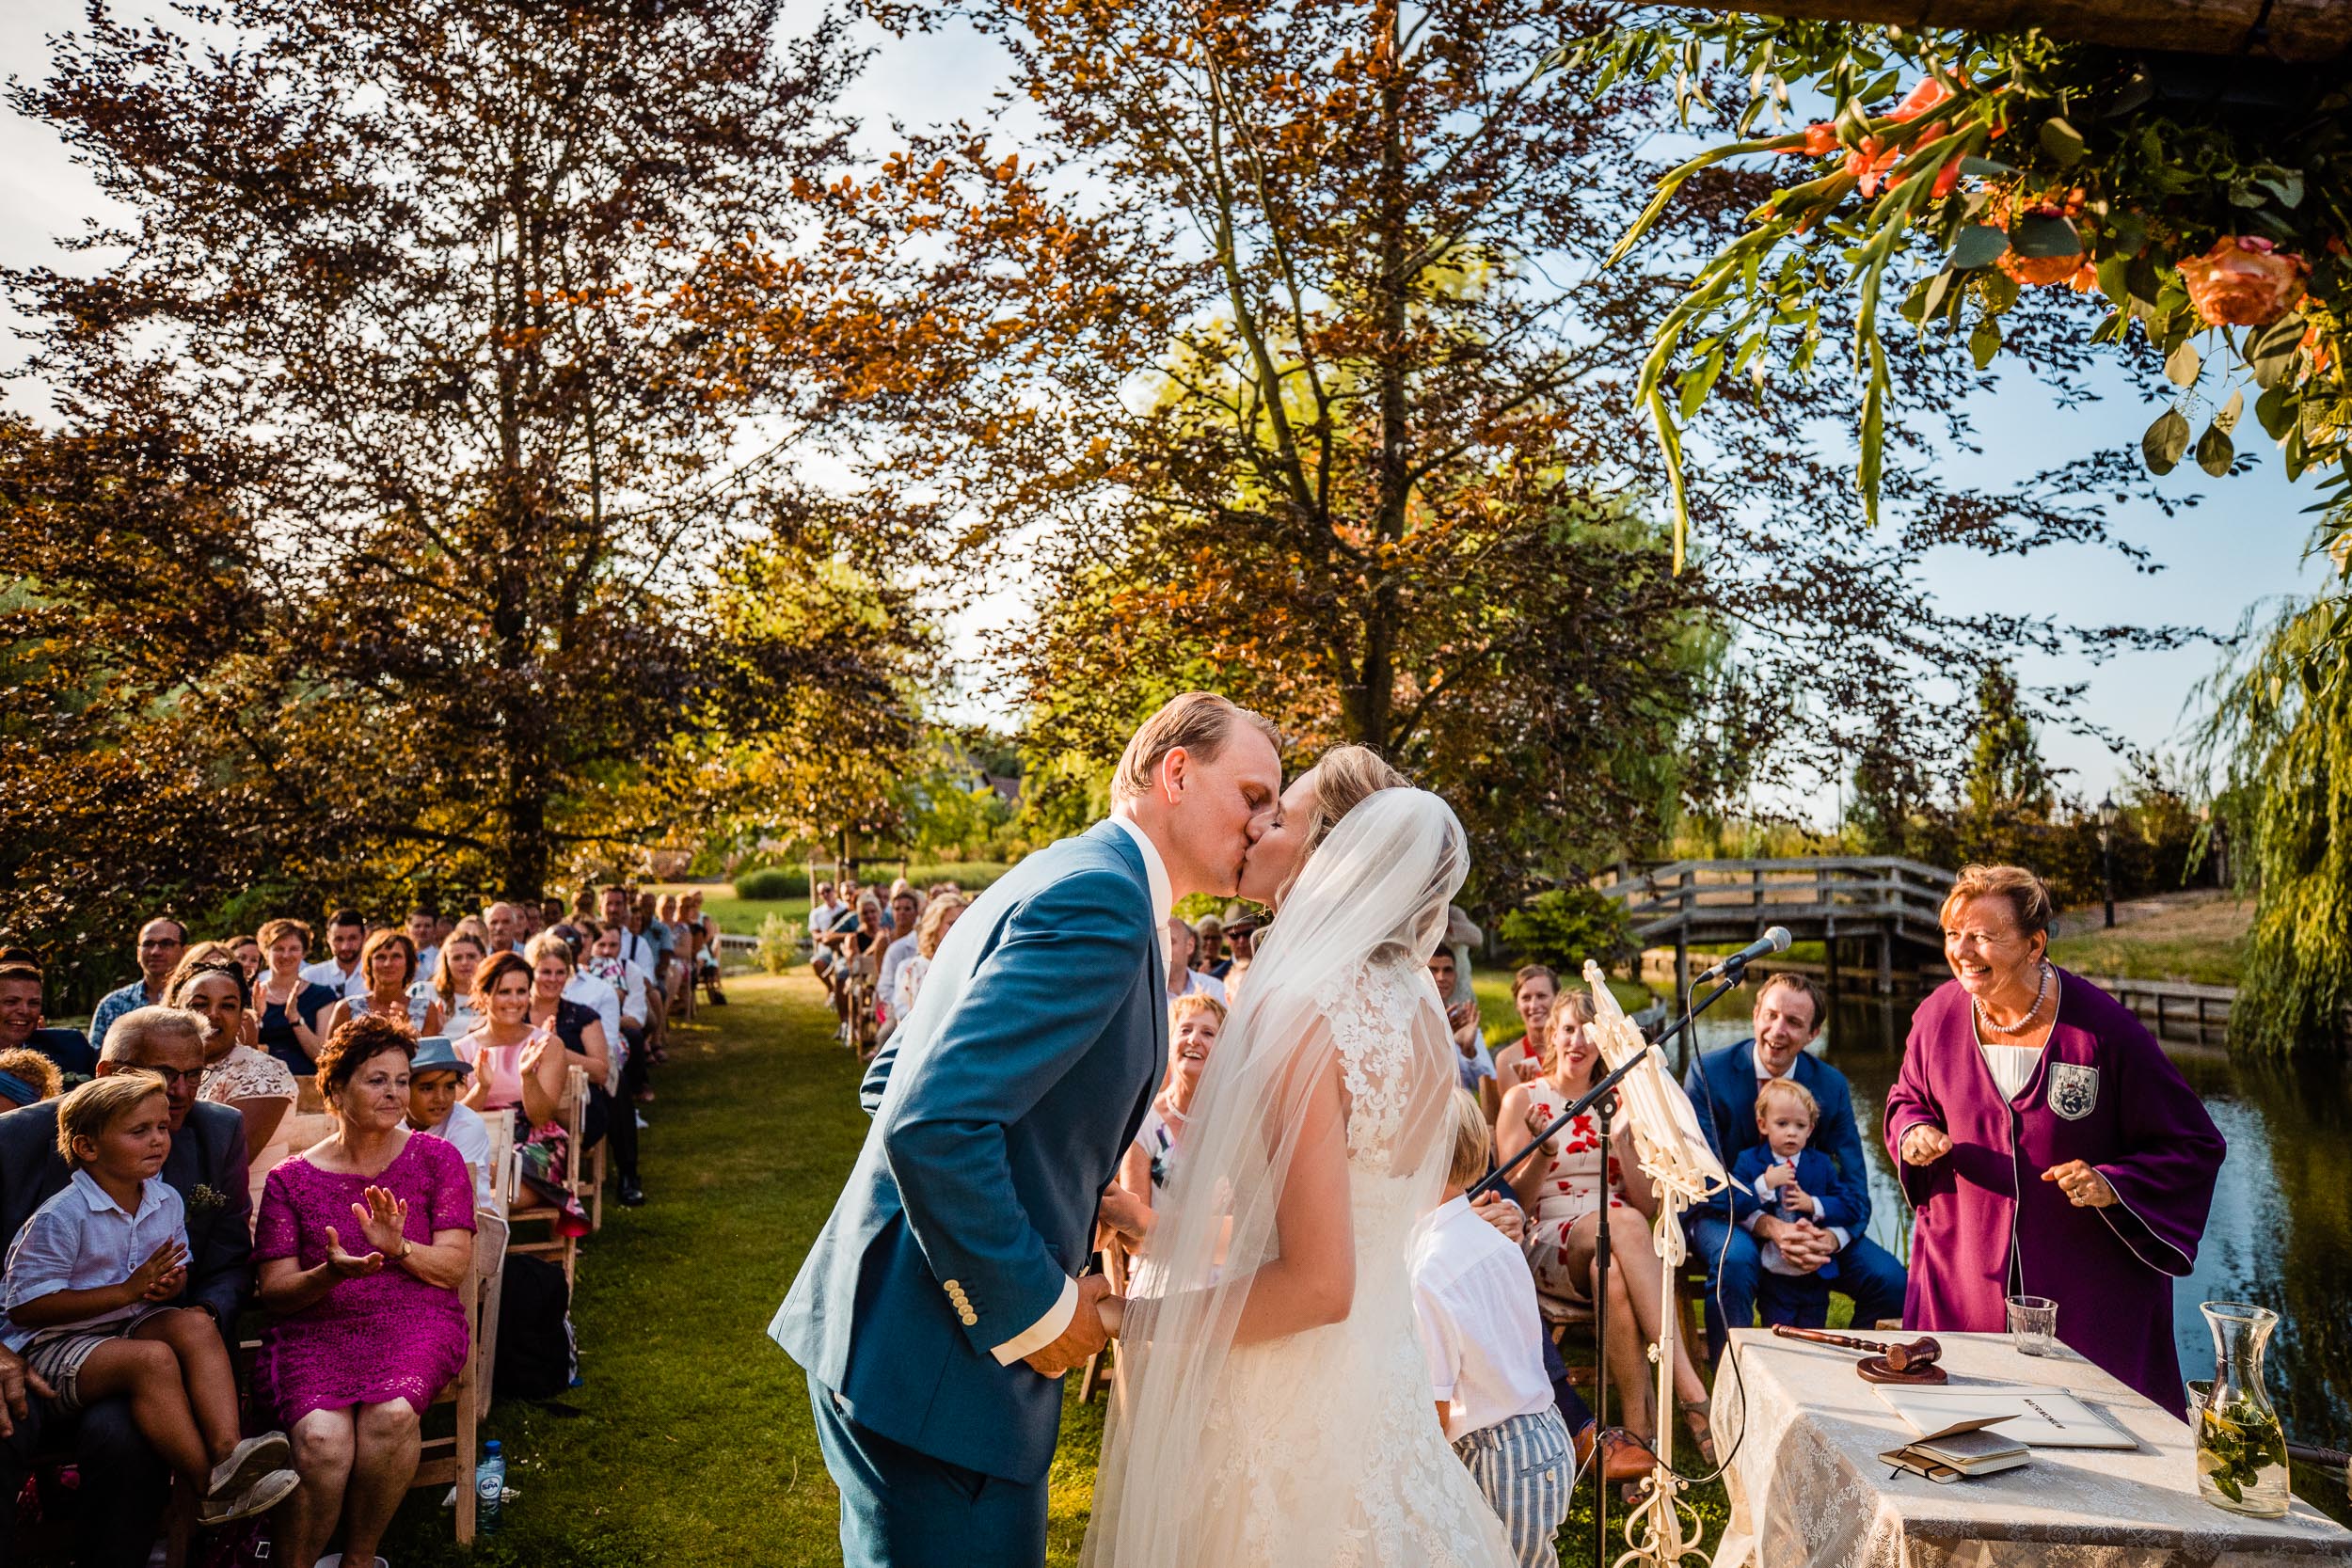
x=2244 y=281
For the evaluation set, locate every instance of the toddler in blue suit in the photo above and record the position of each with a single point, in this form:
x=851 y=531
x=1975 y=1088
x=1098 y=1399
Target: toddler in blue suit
x=1786 y=1180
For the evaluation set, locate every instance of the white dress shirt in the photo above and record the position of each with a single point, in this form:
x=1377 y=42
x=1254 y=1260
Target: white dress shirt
x=466 y=1132
x=327 y=971
x=894 y=958
x=1475 y=1304
x=1049 y=1328
x=590 y=991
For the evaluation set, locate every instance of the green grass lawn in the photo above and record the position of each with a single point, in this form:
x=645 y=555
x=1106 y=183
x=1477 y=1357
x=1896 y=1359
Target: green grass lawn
x=690 y=1445
x=2197 y=938
x=1500 y=1020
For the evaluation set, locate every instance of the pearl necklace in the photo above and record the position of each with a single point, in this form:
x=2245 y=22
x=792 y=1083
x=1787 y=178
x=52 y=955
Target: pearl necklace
x=2041 y=993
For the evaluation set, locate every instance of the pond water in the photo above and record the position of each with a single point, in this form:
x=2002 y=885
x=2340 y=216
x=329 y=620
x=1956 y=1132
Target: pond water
x=2281 y=1233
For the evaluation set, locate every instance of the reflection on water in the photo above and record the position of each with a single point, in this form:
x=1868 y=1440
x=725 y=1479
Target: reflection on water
x=2281 y=1233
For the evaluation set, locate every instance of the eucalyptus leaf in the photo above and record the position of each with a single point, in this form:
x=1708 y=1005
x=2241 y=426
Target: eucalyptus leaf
x=1999 y=290
x=1984 y=169
x=2115 y=280
x=2231 y=411
x=2271 y=350
x=1938 y=288
x=2243 y=193
x=2288 y=187
x=2214 y=452
x=2166 y=440
x=2127 y=235
x=1979 y=246
x=2182 y=365
x=2039 y=237
x=2276 y=409
x=2061 y=141
x=1699 y=383
x=1985 y=342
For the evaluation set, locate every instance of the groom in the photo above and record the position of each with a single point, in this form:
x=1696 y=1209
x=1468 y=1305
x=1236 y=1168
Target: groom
x=939 y=1308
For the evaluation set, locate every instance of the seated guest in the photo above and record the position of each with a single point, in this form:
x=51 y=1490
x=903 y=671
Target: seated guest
x=939 y=914
x=437 y=1076
x=462 y=952
x=575 y=1024
x=1786 y=1180
x=1569 y=1188
x=424 y=931
x=906 y=914
x=1193 y=1021
x=2048 y=1145
x=1209 y=956
x=1534 y=990
x=249 y=952
x=88 y=1288
x=1723 y=1087
x=502 y=922
x=634 y=988
x=120 y=1505
x=516 y=1064
x=1176 y=946
x=1475 y=1067
x=27 y=1078
x=162 y=941
x=362 y=1242
x=291 y=1010
x=1474 y=1302
x=21 y=1023
x=389 y=962
x=344 y=968
x=252 y=1083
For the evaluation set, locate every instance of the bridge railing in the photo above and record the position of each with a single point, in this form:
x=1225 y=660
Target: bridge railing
x=1815 y=897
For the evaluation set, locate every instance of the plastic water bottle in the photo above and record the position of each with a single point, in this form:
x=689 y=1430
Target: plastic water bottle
x=489 y=1488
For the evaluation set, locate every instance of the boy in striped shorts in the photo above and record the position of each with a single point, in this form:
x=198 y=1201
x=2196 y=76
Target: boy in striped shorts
x=1484 y=1338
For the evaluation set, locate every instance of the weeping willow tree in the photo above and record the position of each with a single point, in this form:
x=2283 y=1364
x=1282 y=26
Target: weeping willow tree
x=2282 y=719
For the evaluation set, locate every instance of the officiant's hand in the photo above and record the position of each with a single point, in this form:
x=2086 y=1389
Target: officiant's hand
x=1924 y=1144
x=1085 y=1336
x=2082 y=1183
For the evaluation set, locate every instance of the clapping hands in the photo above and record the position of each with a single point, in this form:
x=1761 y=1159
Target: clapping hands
x=163 y=1275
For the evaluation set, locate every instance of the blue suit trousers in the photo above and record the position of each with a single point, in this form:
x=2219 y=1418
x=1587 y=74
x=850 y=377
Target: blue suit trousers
x=1866 y=1271
x=901 y=1509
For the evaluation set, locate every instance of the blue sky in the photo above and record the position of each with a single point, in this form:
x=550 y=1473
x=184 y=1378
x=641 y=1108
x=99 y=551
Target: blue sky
x=2242 y=544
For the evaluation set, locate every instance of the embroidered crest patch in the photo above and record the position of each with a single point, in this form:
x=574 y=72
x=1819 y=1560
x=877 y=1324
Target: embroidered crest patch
x=2074 y=1090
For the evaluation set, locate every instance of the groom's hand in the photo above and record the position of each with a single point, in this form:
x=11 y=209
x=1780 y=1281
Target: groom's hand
x=1085 y=1336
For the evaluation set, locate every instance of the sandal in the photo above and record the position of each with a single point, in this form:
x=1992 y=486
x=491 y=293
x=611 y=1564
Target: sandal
x=1702 y=1430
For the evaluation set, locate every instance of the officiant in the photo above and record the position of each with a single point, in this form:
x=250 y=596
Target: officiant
x=2047 y=1144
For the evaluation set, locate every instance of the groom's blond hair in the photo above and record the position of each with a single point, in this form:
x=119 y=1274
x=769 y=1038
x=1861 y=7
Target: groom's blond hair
x=1199 y=722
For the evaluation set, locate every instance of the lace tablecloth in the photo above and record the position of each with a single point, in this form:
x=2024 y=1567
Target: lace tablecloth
x=1809 y=1491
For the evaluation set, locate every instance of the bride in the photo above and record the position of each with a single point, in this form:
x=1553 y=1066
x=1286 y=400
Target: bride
x=1275 y=1408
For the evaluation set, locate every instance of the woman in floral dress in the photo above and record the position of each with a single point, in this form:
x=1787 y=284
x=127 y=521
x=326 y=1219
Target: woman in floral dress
x=1561 y=1188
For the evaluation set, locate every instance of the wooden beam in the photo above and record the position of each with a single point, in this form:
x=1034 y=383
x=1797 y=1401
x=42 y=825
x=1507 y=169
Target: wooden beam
x=2300 y=30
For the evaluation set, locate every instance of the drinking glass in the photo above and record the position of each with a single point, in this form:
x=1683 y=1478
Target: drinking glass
x=2033 y=1325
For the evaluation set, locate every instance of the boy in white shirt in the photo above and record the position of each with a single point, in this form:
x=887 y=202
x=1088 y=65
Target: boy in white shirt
x=1483 y=1338
x=87 y=1291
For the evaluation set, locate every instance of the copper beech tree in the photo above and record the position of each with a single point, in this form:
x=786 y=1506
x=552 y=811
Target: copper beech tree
x=1268 y=342
x=384 y=533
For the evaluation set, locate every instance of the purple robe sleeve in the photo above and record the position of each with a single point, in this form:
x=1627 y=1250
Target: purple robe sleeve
x=2172 y=1152
x=1912 y=1101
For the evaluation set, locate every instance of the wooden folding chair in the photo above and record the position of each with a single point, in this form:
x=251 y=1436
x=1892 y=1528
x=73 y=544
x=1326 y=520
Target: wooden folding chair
x=524 y=1206
x=451 y=1461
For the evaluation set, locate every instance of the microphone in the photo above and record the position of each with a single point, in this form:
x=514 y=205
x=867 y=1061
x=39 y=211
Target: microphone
x=1776 y=940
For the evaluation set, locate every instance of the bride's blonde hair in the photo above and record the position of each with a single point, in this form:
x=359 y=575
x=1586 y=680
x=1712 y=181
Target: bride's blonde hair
x=1345 y=778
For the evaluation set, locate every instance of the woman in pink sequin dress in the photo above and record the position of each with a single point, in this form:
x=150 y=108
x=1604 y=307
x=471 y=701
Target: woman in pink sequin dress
x=362 y=1243
x=1561 y=1187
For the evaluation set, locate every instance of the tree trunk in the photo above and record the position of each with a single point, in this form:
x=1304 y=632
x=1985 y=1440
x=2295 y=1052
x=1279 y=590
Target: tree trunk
x=2300 y=30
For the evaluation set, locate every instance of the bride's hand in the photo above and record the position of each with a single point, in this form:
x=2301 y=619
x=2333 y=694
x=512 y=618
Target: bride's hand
x=1123 y=1212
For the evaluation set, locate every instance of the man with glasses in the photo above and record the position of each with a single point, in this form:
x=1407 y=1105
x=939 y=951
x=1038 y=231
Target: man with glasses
x=118 y=1508
x=162 y=941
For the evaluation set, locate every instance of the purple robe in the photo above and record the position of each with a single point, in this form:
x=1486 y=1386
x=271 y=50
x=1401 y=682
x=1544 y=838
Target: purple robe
x=2103 y=1092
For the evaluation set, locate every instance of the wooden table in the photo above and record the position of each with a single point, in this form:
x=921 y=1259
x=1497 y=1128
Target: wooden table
x=1809 y=1491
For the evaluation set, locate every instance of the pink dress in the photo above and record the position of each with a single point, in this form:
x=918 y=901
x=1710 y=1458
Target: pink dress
x=382 y=1336
x=1571 y=1190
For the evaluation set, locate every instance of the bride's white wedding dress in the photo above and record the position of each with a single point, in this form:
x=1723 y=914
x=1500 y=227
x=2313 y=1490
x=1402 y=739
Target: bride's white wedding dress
x=1322 y=1447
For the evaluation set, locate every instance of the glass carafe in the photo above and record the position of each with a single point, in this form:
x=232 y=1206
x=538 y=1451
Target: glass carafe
x=2241 y=1448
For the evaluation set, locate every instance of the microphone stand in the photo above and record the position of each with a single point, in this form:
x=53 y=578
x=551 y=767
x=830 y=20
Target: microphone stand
x=1603 y=1095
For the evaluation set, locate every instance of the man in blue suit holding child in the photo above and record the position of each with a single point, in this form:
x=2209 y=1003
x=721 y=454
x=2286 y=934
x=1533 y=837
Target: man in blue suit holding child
x=941 y=1304
x=1723 y=1086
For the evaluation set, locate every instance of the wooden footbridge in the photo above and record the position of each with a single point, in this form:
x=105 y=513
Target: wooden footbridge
x=1877 y=908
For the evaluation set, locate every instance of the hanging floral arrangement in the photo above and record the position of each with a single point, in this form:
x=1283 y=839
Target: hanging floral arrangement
x=1951 y=173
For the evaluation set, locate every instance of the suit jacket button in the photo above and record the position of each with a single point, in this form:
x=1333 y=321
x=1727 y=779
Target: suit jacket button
x=970 y=1317
x=952 y=1288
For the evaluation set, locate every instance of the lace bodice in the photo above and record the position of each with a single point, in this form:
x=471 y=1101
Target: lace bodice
x=1370 y=1013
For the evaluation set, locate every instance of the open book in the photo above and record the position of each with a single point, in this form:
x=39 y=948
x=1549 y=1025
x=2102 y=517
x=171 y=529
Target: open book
x=2042 y=1418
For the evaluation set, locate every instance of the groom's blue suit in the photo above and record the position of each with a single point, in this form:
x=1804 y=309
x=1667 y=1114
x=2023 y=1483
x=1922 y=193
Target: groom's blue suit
x=1001 y=1108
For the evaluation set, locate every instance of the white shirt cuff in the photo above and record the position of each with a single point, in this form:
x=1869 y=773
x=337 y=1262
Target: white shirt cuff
x=1748 y=1225
x=1045 y=1331
x=1845 y=1239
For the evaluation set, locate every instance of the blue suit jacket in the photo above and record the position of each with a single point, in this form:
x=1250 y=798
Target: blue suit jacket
x=1001 y=1109
x=1721 y=1085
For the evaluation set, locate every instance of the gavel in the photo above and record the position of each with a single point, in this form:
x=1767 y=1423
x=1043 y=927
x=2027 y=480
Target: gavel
x=1906 y=1357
